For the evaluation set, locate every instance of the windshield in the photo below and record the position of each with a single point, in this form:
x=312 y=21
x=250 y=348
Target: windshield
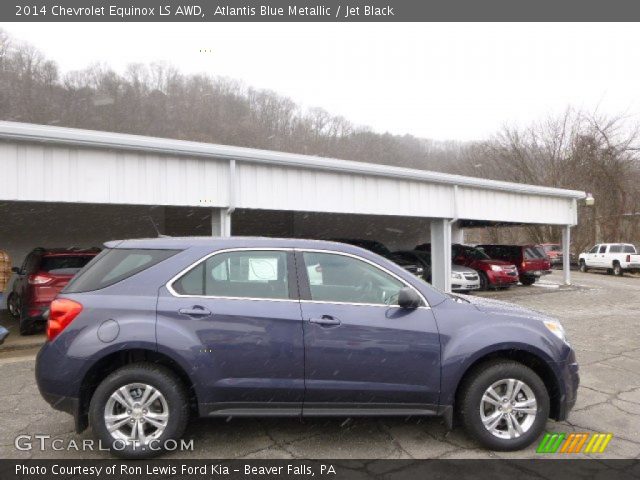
x=470 y=252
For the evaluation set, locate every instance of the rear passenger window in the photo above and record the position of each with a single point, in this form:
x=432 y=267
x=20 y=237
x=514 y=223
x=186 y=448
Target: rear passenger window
x=615 y=249
x=242 y=274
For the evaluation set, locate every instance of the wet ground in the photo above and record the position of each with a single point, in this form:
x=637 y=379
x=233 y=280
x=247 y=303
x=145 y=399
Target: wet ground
x=601 y=314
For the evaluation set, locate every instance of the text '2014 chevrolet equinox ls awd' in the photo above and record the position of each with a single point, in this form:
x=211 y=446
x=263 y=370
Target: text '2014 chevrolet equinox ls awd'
x=152 y=331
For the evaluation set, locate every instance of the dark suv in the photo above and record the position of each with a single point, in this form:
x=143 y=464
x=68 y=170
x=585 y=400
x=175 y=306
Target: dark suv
x=531 y=260
x=154 y=331
x=43 y=274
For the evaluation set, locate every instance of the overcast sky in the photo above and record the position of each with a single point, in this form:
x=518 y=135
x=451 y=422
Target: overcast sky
x=441 y=81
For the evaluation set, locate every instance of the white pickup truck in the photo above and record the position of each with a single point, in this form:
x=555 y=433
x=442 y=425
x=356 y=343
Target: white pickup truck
x=615 y=258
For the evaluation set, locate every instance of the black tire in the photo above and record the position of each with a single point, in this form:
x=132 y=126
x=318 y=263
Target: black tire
x=617 y=270
x=26 y=326
x=13 y=305
x=484 y=281
x=160 y=378
x=583 y=267
x=527 y=281
x=468 y=403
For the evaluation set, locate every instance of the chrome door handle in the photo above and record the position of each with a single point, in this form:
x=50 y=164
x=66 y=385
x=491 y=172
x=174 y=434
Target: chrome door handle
x=195 y=311
x=325 y=320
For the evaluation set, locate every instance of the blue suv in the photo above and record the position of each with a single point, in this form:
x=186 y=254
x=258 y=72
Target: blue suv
x=154 y=331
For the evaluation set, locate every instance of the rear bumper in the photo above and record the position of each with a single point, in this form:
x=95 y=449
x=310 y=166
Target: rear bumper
x=569 y=383
x=58 y=381
x=534 y=273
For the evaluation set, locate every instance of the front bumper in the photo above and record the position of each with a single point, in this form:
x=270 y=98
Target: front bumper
x=499 y=279
x=458 y=285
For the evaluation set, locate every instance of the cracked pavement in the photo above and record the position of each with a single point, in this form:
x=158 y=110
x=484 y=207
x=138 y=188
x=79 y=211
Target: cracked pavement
x=601 y=315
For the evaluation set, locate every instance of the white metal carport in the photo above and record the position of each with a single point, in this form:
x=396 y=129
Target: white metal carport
x=40 y=163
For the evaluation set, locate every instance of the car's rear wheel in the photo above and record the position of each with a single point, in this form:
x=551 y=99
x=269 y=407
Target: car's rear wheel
x=527 y=281
x=583 y=267
x=504 y=405
x=617 y=270
x=14 y=305
x=137 y=409
x=26 y=325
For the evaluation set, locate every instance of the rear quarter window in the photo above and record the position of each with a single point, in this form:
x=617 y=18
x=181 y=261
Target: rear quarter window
x=114 y=265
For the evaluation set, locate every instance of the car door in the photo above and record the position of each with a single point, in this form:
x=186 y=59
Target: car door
x=590 y=259
x=363 y=353
x=600 y=260
x=235 y=319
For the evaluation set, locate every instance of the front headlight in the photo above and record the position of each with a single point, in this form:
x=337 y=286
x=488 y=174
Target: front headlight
x=456 y=275
x=496 y=268
x=556 y=328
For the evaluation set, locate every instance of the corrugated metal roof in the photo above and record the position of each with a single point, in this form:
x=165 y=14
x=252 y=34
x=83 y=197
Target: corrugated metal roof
x=27 y=132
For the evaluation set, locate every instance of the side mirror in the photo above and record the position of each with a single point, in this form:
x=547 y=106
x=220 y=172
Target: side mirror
x=408 y=298
x=15 y=270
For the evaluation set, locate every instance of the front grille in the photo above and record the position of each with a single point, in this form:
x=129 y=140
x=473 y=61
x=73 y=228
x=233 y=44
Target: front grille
x=511 y=272
x=471 y=277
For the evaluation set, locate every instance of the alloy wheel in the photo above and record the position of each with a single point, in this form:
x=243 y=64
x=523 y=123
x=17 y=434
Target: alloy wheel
x=508 y=408
x=136 y=413
x=14 y=305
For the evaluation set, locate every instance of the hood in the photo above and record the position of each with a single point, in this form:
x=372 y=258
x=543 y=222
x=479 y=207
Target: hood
x=492 y=261
x=498 y=307
x=461 y=269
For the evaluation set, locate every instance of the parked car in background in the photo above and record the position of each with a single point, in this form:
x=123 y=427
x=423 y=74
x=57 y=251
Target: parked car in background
x=530 y=260
x=155 y=331
x=616 y=258
x=381 y=249
x=493 y=273
x=463 y=279
x=43 y=274
x=554 y=252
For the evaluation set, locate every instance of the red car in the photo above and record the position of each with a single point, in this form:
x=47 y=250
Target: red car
x=493 y=273
x=44 y=273
x=531 y=260
x=554 y=252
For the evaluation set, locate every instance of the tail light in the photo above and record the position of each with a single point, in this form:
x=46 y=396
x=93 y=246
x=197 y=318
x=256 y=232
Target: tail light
x=39 y=279
x=523 y=264
x=61 y=313
x=628 y=258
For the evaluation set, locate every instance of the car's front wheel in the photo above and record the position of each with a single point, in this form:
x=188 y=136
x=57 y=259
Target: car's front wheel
x=137 y=409
x=504 y=405
x=484 y=281
x=583 y=267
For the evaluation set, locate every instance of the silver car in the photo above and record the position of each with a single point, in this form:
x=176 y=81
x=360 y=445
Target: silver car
x=464 y=279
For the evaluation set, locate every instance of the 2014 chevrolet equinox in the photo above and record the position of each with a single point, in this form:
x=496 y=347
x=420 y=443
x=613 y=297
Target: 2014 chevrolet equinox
x=152 y=331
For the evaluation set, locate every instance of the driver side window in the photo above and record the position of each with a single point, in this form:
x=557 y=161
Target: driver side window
x=342 y=279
